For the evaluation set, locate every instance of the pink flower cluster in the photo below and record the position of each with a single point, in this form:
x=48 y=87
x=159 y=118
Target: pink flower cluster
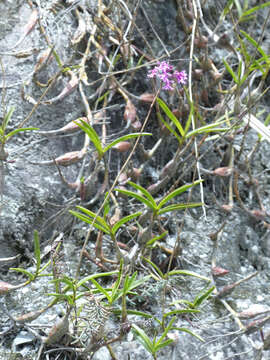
x=168 y=75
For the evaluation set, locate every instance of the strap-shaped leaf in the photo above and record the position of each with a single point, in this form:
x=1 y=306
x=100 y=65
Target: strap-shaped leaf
x=182 y=311
x=37 y=251
x=171 y=116
x=174 y=207
x=25 y=272
x=189 y=332
x=188 y=273
x=143 y=338
x=89 y=221
x=256 y=45
x=231 y=72
x=13 y=132
x=137 y=196
x=94 y=276
x=90 y=131
x=168 y=126
x=93 y=215
x=124 y=220
x=177 y=192
x=255 y=8
x=143 y=191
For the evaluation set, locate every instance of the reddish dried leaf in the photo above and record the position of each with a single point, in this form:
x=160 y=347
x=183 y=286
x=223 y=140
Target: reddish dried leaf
x=70 y=158
x=5 y=287
x=130 y=112
x=223 y=171
x=147 y=97
x=122 y=146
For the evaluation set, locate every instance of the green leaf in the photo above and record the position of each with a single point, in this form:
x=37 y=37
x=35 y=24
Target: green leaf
x=68 y=298
x=189 y=332
x=227 y=9
x=163 y=344
x=231 y=72
x=156 y=238
x=176 y=192
x=167 y=329
x=89 y=221
x=11 y=133
x=138 y=313
x=203 y=296
x=117 y=283
x=123 y=138
x=175 y=207
x=188 y=273
x=160 y=273
x=182 y=311
x=124 y=220
x=136 y=196
x=208 y=128
x=168 y=126
x=143 y=339
x=37 y=251
x=25 y=272
x=91 y=214
x=101 y=289
x=90 y=131
x=144 y=192
x=7 y=118
x=256 y=45
x=94 y=276
x=255 y=8
x=171 y=116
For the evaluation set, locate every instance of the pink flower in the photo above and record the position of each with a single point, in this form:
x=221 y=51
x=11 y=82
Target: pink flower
x=164 y=72
x=181 y=76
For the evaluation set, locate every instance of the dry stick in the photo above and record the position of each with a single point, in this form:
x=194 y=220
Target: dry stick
x=111 y=189
x=190 y=97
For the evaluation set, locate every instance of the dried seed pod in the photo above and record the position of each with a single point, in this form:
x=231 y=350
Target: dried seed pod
x=136 y=125
x=147 y=97
x=5 y=287
x=58 y=330
x=130 y=112
x=81 y=29
x=28 y=317
x=259 y=214
x=253 y=311
x=135 y=173
x=227 y=208
x=122 y=179
x=218 y=271
x=197 y=74
x=28 y=27
x=216 y=75
x=70 y=158
x=223 y=171
x=116 y=216
x=256 y=325
x=70 y=127
x=226 y=290
x=122 y=146
x=71 y=86
x=42 y=59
